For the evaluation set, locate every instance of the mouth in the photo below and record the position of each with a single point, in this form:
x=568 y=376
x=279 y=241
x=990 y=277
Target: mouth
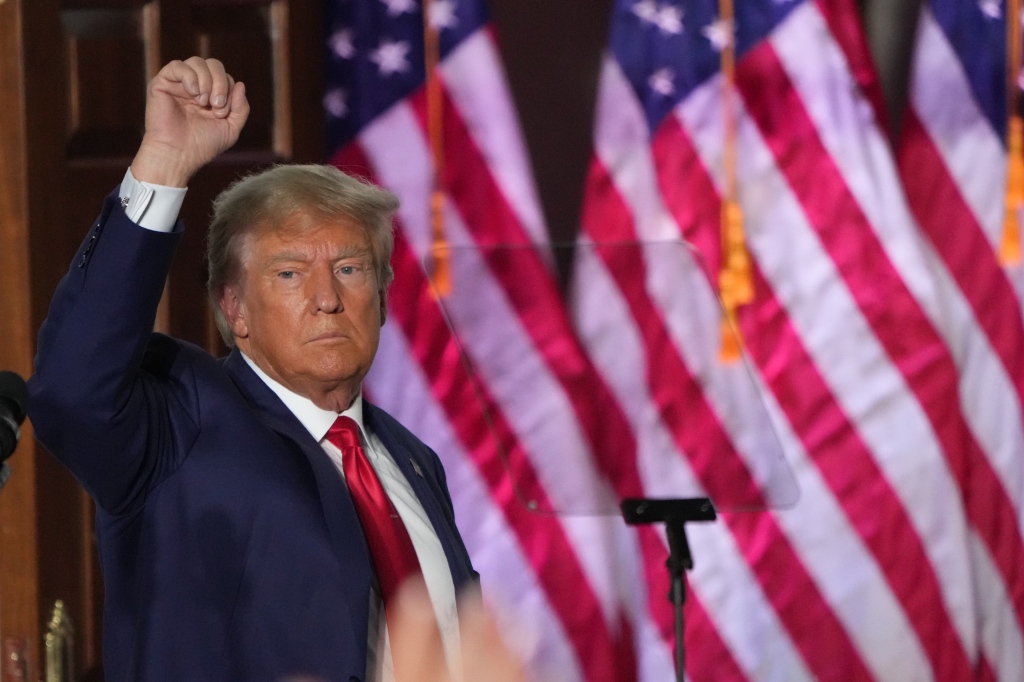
x=328 y=336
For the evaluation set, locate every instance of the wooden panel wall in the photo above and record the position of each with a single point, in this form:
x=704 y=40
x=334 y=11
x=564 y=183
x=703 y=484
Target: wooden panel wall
x=17 y=500
x=72 y=77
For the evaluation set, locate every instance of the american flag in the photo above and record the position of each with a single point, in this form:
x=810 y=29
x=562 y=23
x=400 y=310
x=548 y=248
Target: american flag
x=885 y=335
x=953 y=162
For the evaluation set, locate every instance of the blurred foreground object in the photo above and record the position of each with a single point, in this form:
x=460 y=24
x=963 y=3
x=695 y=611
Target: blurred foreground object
x=60 y=645
x=420 y=657
x=14 y=660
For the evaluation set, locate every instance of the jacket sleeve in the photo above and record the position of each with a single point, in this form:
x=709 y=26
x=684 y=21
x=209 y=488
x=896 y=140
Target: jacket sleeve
x=117 y=422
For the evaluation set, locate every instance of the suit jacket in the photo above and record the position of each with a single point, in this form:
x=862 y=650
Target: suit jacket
x=229 y=544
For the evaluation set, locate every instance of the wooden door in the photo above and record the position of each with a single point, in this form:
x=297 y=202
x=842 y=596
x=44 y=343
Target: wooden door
x=72 y=87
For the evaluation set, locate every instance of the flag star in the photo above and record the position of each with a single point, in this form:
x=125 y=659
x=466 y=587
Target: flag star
x=661 y=81
x=646 y=10
x=335 y=103
x=670 y=19
x=342 y=45
x=390 y=57
x=399 y=7
x=993 y=9
x=719 y=33
x=442 y=14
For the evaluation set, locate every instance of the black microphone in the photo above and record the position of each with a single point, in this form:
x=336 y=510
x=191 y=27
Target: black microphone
x=13 y=399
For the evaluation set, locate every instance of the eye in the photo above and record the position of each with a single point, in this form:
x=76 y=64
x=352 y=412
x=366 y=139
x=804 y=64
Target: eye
x=348 y=269
x=286 y=274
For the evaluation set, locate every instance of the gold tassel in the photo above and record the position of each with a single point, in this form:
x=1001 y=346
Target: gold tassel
x=736 y=266
x=440 y=253
x=729 y=351
x=735 y=279
x=1009 y=248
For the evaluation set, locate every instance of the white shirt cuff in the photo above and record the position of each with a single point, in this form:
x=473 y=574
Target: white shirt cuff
x=154 y=207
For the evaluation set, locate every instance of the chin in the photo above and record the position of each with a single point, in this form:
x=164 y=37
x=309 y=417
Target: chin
x=338 y=369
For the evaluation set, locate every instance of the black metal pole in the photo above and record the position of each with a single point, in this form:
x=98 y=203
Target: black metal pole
x=674 y=514
x=679 y=561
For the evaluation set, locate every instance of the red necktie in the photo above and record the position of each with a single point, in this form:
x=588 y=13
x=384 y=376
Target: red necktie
x=394 y=556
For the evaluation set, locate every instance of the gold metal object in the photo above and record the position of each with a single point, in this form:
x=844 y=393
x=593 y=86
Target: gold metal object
x=60 y=645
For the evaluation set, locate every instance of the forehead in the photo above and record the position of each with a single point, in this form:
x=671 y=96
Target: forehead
x=310 y=233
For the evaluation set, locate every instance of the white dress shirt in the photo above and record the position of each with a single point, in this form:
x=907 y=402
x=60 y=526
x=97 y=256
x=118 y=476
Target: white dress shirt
x=156 y=207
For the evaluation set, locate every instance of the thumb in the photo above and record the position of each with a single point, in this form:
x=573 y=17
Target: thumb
x=238 y=112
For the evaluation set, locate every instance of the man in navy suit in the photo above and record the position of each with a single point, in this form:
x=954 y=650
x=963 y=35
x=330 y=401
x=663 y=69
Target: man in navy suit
x=231 y=545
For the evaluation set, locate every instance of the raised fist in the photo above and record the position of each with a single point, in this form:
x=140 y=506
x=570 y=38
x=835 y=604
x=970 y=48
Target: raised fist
x=194 y=111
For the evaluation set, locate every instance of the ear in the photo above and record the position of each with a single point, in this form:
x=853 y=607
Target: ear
x=233 y=307
x=382 y=296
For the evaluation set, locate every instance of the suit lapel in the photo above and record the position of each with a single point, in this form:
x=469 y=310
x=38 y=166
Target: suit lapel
x=424 y=484
x=347 y=537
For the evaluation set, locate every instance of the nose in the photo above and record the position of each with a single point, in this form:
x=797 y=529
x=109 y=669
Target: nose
x=325 y=292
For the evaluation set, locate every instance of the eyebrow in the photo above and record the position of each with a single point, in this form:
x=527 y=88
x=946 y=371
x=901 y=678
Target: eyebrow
x=299 y=257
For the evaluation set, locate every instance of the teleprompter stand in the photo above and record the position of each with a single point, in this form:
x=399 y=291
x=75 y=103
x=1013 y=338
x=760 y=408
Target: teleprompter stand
x=674 y=514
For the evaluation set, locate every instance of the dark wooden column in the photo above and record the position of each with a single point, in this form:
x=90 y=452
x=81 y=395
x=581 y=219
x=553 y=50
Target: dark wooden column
x=18 y=585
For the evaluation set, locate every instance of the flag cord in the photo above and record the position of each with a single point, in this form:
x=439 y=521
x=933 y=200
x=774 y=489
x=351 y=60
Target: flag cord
x=440 y=265
x=1009 y=248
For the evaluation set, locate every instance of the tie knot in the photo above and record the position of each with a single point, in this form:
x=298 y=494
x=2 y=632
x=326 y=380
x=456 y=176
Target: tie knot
x=344 y=433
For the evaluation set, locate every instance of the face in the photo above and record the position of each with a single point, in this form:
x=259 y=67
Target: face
x=307 y=308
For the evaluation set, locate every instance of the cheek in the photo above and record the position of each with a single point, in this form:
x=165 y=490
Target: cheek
x=275 y=314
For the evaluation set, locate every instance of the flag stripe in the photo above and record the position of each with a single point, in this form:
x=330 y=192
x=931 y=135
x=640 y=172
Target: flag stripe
x=966 y=140
x=484 y=103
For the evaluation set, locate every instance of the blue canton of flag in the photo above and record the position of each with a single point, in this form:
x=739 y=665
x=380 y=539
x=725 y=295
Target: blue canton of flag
x=374 y=55
x=666 y=49
x=976 y=31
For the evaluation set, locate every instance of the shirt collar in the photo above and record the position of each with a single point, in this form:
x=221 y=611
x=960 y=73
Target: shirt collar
x=315 y=419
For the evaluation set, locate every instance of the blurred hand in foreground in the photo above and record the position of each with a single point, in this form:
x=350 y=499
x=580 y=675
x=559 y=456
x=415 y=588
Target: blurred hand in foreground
x=419 y=655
